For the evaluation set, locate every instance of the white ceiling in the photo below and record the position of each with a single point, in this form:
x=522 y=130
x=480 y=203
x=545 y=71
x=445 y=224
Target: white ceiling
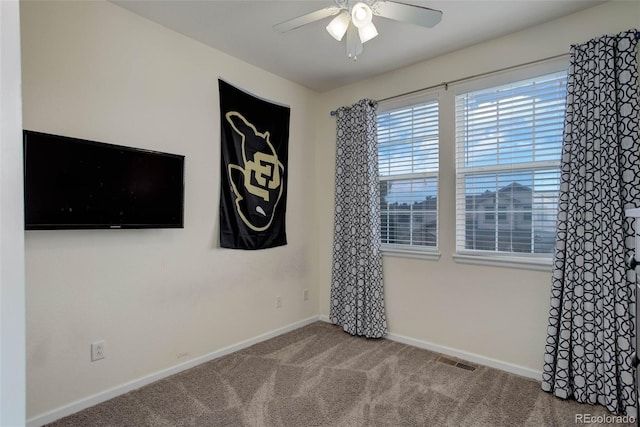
x=310 y=57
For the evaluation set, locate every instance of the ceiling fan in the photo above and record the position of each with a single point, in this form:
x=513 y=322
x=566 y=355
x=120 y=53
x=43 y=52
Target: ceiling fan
x=354 y=18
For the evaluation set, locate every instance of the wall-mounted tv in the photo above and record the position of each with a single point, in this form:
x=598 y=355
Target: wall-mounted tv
x=72 y=183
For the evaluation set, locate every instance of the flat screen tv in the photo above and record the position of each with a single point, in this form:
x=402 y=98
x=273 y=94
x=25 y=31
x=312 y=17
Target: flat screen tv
x=72 y=183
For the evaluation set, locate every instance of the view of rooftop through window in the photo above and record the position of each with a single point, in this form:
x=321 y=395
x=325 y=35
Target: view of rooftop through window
x=408 y=165
x=509 y=141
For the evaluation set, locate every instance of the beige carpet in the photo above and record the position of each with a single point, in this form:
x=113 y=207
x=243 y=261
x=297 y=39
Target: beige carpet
x=320 y=376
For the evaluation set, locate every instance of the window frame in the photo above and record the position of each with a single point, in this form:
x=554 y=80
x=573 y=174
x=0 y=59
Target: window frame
x=540 y=261
x=416 y=251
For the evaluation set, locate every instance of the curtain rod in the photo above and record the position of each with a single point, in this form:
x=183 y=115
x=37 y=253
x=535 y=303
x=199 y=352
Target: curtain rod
x=446 y=84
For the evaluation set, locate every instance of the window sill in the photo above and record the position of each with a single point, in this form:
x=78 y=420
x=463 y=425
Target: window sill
x=537 y=264
x=402 y=252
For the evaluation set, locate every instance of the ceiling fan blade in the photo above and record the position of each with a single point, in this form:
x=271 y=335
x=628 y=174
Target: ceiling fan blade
x=412 y=14
x=298 y=22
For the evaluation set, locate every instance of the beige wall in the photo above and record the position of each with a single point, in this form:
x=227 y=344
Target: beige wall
x=157 y=297
x=495 y=313
x=12 y=298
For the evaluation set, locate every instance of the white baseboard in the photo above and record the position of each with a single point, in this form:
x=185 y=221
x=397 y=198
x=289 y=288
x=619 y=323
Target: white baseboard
x=324 y=318
x=103 y=396
x=471 y=357
x=460 y=354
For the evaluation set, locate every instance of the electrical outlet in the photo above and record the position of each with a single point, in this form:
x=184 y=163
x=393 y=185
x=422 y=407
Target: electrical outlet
x=278 y=302
x=97 y=351
x=305 y=295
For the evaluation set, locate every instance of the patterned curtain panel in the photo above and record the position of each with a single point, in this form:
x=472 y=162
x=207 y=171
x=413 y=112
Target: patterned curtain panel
x=357 y=300
x=591 y=336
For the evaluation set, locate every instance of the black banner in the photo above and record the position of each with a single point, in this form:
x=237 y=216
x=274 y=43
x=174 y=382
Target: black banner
x=253 y=197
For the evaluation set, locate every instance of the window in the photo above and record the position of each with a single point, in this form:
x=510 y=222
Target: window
x=508 y=148
x=408 y=167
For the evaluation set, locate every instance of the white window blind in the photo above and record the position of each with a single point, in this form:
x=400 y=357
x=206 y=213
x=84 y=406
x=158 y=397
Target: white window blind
x=508 y=149
x=408 y=166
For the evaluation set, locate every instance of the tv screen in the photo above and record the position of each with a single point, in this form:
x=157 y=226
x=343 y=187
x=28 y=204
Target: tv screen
x=71 y=183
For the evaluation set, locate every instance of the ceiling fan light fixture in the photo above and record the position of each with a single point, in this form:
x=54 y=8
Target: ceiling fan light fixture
x=367 y=32
x=338 y=25
x=354 y=18
x=361 y=14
